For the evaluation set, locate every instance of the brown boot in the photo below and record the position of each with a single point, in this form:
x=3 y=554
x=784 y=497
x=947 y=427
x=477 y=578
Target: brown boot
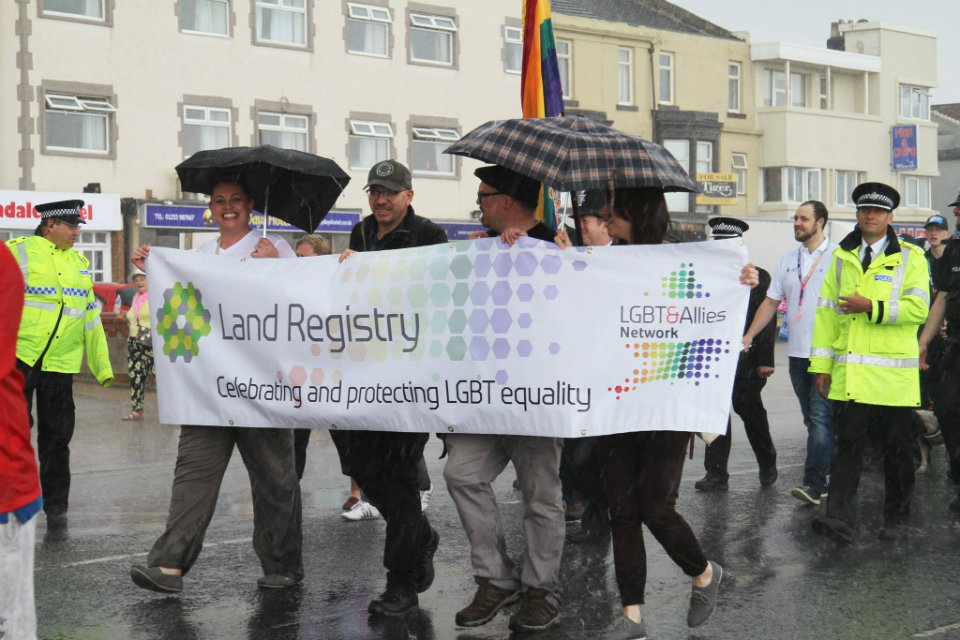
x=536 y=612
x=486 y=603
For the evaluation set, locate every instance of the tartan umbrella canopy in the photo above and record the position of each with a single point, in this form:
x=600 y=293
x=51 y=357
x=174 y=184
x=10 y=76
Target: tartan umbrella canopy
x=297 y=187
x=570 y=153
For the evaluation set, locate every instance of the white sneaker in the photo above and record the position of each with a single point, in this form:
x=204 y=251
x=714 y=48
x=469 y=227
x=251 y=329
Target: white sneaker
x=362 y=510
x=425 y=498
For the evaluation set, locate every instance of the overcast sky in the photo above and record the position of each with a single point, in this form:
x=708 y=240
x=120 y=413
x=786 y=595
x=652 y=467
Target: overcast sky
x=808 y=22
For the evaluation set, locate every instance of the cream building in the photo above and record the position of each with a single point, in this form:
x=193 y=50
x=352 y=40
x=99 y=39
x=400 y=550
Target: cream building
x=663 y=73
x=117 y=93
x=828 y=117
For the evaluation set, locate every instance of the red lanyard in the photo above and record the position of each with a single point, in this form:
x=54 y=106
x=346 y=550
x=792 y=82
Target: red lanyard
x=803 y=282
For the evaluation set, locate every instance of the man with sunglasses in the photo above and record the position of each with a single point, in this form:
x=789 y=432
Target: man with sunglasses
x=60 y=318
x=388 y=465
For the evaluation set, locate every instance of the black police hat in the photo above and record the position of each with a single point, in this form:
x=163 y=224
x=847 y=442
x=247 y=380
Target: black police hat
x=876 y=195
x=591 y=202
x=517 y=186
x=727 y=227
x=66 y=210
x=956 y=202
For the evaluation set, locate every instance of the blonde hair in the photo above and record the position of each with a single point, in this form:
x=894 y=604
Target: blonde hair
x=320 y=245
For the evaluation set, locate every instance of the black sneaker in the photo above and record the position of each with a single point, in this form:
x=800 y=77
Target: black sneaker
x=703 y=600
x=711 y=482
x=395 y=601
x=807 y=494
x=426 y=572
x=488 y=600
x=768 y=475
x=154 y=579
x=536 y=612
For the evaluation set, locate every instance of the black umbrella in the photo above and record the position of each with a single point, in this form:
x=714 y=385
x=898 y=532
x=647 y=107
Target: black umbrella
x=297 y=187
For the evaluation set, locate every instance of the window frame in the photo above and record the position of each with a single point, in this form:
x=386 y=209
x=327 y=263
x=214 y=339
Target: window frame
x=919 y=181
x=733 y=86
x=669 y=69
x=675 y=199
x=386 y=23
x=770 y=91
x=802 y=77
x=922 y=103
x=278 y=5
x=565 y=69
x=94 y=101
x=794 y=184
x=228 y=20
x=106 y=7
x=434 y=26
x=740 y=171
x=628 y=65
x=353 y=126
x=844 y=197
x=507 y=43
x=283 y=128
x=206 y=122
x=87 y=245
x=433 y=134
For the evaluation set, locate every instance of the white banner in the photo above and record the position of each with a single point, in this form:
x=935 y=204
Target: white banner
x=469 y=337
x=100 y=213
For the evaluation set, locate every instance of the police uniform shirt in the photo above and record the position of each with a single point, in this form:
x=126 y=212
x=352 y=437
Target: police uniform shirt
x=876 y=249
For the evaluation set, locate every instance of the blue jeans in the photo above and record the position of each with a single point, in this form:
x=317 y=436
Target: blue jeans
x=818 y=417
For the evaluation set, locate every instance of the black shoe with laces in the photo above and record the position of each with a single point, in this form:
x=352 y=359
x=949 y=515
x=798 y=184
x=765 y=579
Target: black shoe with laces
x=711 y=482
x=426 y=571
x=395 y=601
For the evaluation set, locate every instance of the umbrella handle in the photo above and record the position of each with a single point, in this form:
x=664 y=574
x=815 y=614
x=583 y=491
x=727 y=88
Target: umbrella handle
x=266 y=205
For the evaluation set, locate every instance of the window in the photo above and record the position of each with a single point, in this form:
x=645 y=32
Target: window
x=282 y=22
x=431 y=38
x=916 y=192
x=368 y=29
x=914 y=102
x=824 y=97
x=205 y=128
x=427 y=148
x=564 y=60
x=95 y=247
x=90 y=9
x=666 y=78
x=774 y=88
x=679 y=149
x=624 y=75
x=798 y=90
x=733 y=86
x=738 y=163
x=369 y=143
x=205 y=16
x=77 y=123
x=846 y=182
x=284 y=130
x=513 y=49
x=791 y=184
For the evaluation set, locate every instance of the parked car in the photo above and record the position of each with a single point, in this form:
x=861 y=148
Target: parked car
x=114 y=297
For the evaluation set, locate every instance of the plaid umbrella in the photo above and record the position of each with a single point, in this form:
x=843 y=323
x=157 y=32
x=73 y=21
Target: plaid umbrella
x=571 y=153
x=299 y=188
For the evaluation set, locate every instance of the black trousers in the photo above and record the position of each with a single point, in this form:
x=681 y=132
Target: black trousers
x=55 y=422
x=749 y=406
x=385 y=466
x=946 y=404
x=642 y=473
x=892 y=428
x=581 y=472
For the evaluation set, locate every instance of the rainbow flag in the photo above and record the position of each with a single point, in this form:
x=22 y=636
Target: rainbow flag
x=540 y=91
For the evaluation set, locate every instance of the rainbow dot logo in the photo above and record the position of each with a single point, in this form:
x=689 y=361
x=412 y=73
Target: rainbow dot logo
x=681 y=284
x=692 y=362
x=182 y=321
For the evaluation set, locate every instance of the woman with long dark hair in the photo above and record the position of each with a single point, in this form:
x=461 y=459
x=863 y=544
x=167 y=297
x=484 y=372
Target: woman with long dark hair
x=642 y=469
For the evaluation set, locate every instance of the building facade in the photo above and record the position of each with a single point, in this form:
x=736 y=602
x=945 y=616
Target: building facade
x=945 y=188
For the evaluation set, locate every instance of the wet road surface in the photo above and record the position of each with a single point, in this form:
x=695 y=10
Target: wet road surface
x=780 y=580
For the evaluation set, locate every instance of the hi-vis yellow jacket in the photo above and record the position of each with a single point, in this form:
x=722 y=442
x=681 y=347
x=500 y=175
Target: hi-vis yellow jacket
x=59 y=287
x=873 y=357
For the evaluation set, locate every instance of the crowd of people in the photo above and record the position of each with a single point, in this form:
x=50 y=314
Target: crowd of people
x=862 y=325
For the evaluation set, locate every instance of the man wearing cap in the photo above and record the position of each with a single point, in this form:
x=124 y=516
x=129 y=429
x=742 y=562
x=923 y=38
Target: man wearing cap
x=798 y=279
x=753 y=369
x=874 y=298
x=60 y=319
x=946 y=400
x=937 y=232
x=385 y=463
x=508 y=201
x=508 y=205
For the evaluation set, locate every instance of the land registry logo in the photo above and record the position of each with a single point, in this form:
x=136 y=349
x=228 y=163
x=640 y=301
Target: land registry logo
x=182 y=321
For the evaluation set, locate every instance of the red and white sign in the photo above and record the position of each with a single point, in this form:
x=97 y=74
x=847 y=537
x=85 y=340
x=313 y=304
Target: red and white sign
x=101 y=211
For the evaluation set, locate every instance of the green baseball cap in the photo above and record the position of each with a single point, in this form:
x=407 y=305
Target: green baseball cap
x=391 y=175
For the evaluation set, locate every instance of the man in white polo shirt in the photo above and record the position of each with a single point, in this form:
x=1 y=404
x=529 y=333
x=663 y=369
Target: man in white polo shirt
x=798 y=278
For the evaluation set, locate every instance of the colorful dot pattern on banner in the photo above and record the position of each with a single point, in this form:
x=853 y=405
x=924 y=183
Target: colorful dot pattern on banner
x=680 y=284
x=182 y=338
x=672 y=361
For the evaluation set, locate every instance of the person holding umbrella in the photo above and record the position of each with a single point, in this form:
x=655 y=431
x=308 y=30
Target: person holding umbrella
x=204 y=452
x=642 y=470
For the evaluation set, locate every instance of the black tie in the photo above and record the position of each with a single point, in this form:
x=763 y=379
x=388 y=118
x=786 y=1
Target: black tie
x=867 y=258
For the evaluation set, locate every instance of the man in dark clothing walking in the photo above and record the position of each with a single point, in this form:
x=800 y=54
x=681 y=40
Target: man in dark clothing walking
x=753 y=369
x=384 y=463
